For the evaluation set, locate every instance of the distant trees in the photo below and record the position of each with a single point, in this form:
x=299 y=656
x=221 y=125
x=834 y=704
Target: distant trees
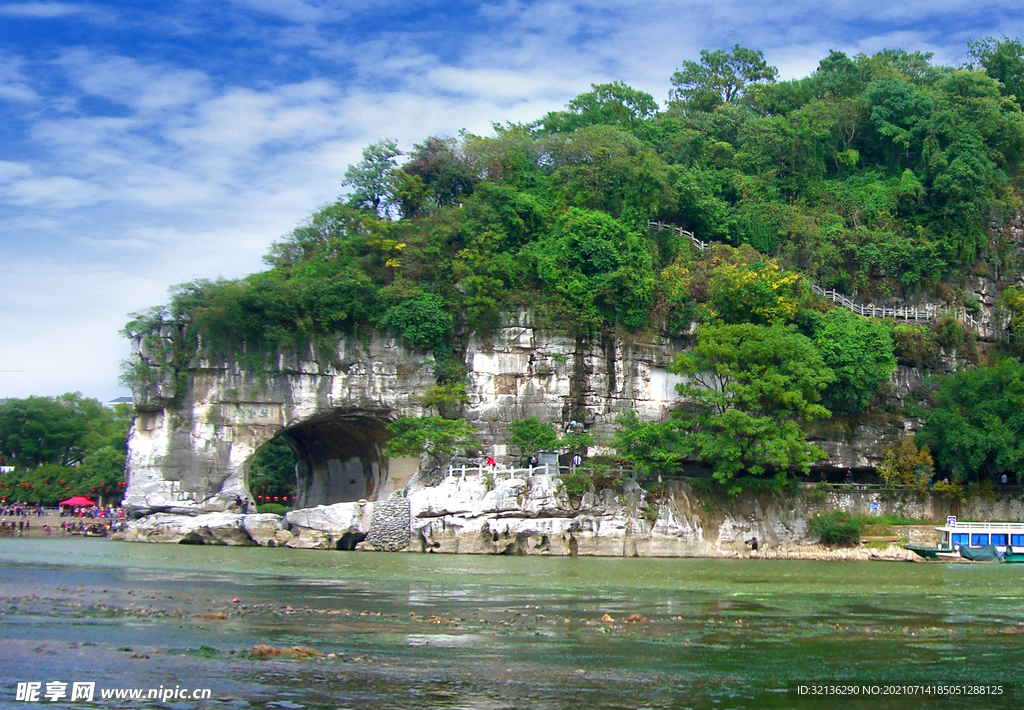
x=60 y=430
x=62 y=446
x=272 y=471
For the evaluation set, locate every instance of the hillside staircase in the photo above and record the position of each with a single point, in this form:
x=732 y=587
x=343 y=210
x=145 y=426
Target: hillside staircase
x=925 y=313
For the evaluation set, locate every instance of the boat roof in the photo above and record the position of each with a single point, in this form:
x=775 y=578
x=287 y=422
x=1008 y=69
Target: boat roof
x=965 y=526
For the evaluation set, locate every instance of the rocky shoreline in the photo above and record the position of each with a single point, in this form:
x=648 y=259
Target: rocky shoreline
x=519 y=516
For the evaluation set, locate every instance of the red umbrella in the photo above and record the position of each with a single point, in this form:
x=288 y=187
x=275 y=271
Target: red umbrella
x=76 y=501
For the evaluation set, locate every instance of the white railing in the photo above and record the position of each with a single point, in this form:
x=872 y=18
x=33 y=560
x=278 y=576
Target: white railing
x=925 y=313
x=462 y=471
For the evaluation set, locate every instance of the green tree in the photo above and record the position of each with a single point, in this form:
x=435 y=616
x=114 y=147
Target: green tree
x=423 y=322
x=443 y=169
x=720 y=77
x=975 y=424
x=576 y=442
x=531 y=435
x=651 y=447
x=58 y=430
x=1011 y=303
x=1002 y=60
x=755 y=388
x=612 y=104
x=436 y=437
x=860 y=352
x=606 y=168
x=102 y=473
x=601 y=270
x=272 y=471
x=320 y=235
x=371 y=178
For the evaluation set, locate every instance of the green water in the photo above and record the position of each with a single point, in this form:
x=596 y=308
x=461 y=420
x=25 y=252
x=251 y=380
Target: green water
x=431 y=631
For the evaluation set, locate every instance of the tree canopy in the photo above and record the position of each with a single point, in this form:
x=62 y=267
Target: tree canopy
x=878 y=175
x=755 y=388
x=974 y=425
x=62 y=446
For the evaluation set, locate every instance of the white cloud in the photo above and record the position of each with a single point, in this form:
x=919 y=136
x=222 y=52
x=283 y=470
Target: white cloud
x=14 y=85
x=145 y=87
x=42 y=10
x=58 y=192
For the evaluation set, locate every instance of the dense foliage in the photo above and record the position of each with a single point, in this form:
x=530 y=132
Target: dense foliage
x=756 y=386
x=272 y=471
x=61 y=447
x=974 y=425
x=876 y=175
x=436 y=437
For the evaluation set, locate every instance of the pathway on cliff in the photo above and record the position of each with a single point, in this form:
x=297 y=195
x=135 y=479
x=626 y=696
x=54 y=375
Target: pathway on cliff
x=925 y=313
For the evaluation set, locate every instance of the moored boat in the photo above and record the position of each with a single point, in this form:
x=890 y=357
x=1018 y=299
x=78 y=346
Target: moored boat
x=979 y=542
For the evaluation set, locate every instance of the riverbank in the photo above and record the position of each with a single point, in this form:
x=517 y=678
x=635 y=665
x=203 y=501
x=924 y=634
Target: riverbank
x=532 y=515
x=38 y=524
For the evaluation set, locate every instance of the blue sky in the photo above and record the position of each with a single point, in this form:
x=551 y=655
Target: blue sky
x=147 y=144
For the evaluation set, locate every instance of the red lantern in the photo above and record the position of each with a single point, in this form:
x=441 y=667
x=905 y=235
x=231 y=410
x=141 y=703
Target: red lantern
x=276 y=498
x=67 y=488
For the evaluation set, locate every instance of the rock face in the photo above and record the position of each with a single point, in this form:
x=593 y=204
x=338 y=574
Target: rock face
x=191 y=447
x=328 y=527
x=528 y=514
x=194 y=456
x=206 y=529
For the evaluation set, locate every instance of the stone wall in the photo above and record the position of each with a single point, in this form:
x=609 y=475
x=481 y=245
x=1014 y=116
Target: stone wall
x=389 y=527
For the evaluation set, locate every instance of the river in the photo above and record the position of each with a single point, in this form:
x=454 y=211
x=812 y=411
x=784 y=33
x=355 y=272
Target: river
x=433 y=631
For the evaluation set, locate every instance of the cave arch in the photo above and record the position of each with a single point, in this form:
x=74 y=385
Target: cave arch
x=339 y=457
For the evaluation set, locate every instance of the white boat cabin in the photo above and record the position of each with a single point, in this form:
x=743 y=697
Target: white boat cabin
x=1007 y=537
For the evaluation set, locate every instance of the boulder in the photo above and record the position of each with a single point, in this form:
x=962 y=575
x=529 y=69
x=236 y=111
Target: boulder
x=324 y=526
x=208 y=529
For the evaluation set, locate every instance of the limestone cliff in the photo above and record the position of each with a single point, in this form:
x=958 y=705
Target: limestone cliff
x=198 y=428
x=200 y=423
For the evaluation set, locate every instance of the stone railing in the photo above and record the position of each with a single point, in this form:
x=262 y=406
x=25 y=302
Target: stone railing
x=924 y=313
